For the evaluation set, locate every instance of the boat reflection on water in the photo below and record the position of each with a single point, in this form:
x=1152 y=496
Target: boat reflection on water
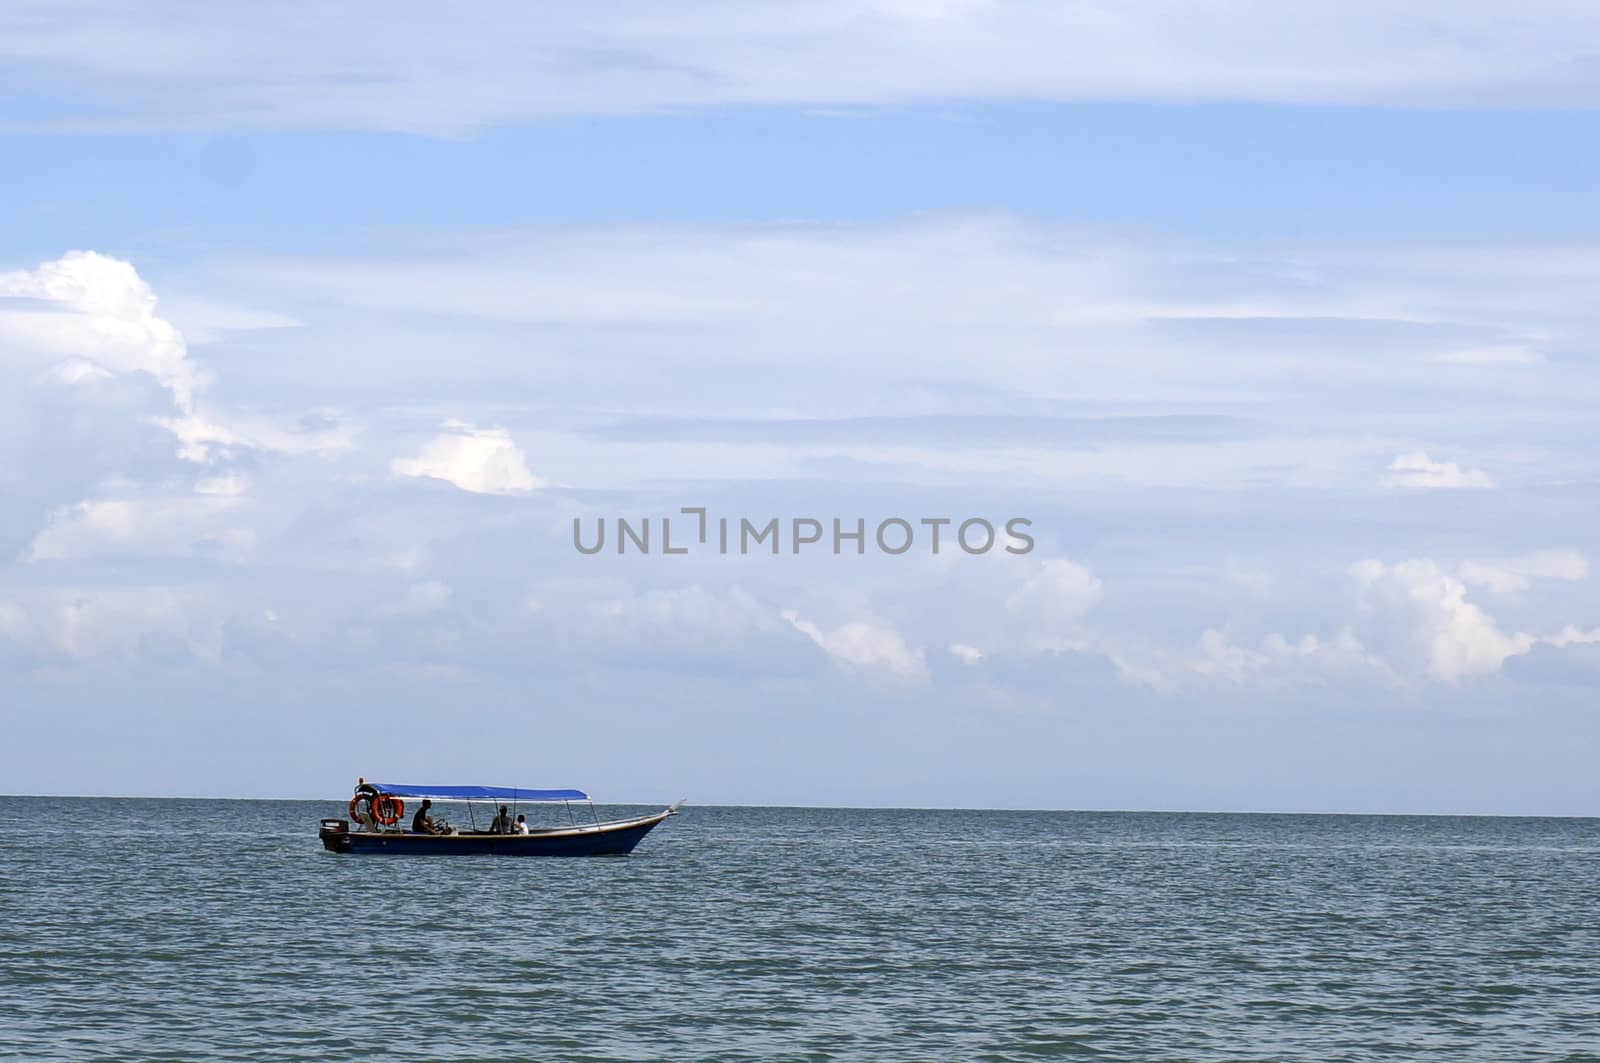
x=377 y=824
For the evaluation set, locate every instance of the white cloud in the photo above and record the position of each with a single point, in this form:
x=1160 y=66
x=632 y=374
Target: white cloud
x=210 y=525
x=428 y=596
x=93 y=315
x=1571 y=635
x=1248 y=577
x=203 y=321
x=205 y=438
x=87 y=319
x=79 y=371
x=866 y=646
x=1183 y=366
x=718 y=629
x=102 y=624
x=964 y=653
x=1222 y=658
x=1455 y=639
x=1089 y=342
x=728 y=619
x=1049 y=606
x=1419 y=610
x=1511 y=574
x=1416 y=469
x=1490 y=356
x=417 y=67
x=484 y=461
x=1280 y=662
x=231 y=485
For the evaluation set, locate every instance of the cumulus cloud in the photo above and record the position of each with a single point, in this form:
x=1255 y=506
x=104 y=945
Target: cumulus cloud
x=866 y=646
x=1103 y=342
x=74 y=327
x=103 y=420
x=1572 y=636
x=690 y=613
x=92 y=316
x=485 y=461
x=88 y=371
x=414 y=67
x=722 y=630
x=1051 y=602
x=1415 y=623
x=112 y=624
x=1416 y=469
x=964 y=653
x=1280 y=662
x=1455 y=639
x=208 y=525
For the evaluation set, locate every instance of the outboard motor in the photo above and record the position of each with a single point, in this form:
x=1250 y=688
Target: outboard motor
x=335 y=835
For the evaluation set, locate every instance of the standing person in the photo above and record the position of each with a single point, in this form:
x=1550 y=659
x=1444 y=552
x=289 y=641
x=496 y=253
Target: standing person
x=502 y=822
x=422 y=823
x=366 y=793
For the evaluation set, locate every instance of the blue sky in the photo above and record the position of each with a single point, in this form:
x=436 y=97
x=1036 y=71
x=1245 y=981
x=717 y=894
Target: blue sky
x=1218 y=171
x=1282 y=335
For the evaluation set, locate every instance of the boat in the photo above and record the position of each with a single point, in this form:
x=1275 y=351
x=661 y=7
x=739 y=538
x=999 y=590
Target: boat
x=381 y=824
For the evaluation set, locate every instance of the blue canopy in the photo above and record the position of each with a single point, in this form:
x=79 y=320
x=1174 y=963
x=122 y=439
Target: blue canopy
x=479 y=793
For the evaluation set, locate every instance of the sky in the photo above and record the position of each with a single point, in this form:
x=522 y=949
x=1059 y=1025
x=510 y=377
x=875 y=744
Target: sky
x=321 y=329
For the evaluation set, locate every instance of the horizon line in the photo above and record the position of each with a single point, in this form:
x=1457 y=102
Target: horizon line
x=890 y=808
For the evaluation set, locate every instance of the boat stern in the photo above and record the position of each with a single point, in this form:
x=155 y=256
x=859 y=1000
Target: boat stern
x=335 y=835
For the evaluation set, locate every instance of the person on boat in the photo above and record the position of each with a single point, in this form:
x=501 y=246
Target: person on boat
x=522 y=824
x=422 y=823
x=502 y=822
x=365 y=793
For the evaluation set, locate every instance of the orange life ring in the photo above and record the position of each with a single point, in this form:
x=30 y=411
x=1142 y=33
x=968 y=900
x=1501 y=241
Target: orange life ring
x=387 y=810
x=355 y=803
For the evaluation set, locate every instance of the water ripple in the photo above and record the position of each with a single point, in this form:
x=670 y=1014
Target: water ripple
x=794 y=934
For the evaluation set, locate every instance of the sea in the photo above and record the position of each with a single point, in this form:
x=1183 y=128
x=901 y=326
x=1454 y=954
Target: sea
x=220 y=930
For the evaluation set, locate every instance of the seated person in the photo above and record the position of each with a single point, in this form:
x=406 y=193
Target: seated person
x=422 y=823
x=502 y=823
x=522 y=824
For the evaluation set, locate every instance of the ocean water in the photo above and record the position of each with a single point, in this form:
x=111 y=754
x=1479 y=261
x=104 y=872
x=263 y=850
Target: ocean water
x=177 y=930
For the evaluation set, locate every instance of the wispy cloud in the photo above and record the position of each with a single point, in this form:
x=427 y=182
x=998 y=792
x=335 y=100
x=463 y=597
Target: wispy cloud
x=1045 y=353
x=419 y=68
